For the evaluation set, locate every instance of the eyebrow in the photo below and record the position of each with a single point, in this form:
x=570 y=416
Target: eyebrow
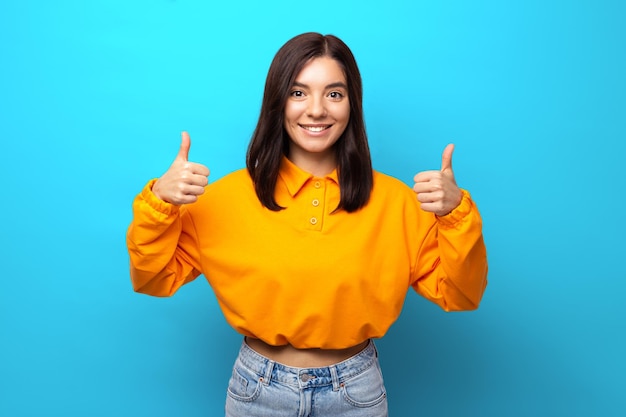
x=338 y=84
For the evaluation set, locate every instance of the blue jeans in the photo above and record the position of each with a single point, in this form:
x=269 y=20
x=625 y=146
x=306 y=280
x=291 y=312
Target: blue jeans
x=261 y=387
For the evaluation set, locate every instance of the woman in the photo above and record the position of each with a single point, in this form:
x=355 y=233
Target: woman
x=309 y=251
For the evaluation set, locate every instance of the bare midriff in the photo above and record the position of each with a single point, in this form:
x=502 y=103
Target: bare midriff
x=304 y=358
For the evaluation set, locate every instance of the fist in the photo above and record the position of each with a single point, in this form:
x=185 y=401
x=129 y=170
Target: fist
x=437 y=191
x=184 y=181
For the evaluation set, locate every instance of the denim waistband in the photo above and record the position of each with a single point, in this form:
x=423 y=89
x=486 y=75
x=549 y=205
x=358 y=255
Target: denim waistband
x=269 y=370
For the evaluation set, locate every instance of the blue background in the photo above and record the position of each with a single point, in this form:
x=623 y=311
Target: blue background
x=94 y=95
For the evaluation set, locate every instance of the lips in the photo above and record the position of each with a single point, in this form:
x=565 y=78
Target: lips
x=315 y=128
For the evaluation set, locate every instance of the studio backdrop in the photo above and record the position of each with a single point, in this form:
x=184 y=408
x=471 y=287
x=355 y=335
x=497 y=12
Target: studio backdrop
x=94 y=96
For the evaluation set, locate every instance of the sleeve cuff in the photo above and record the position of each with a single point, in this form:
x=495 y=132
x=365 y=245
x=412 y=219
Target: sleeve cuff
x=459 y=213
x=155 y=202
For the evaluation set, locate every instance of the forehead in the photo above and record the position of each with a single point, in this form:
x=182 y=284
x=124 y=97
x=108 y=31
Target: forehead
x=322 y=70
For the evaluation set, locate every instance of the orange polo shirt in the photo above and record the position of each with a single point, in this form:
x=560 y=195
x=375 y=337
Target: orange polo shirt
x=307 y=275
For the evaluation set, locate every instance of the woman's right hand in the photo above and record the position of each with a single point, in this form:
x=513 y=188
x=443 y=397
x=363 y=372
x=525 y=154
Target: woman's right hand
x=184 y=181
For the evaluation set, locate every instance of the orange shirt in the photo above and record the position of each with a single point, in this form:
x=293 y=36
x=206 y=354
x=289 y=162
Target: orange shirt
x=306 y=275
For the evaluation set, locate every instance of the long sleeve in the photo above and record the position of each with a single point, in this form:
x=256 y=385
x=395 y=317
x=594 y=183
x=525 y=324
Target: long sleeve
x=451 y=265
x=162 y=245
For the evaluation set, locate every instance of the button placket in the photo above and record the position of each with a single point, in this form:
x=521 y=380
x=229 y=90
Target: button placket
x=316 y=207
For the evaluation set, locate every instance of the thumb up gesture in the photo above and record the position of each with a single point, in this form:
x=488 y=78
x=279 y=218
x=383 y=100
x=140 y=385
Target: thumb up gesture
x=184 y=181
x=437 y=190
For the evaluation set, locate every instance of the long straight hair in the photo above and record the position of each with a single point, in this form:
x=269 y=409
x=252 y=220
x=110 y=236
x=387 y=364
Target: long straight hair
x=270 y=140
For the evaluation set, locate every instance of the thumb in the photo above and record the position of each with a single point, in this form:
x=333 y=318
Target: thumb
x=446 y=158
x=185 y=144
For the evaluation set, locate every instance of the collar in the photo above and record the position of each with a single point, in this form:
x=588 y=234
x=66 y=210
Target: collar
x=295 y=178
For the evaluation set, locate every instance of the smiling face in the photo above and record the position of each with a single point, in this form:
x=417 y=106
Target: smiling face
x=316 y=115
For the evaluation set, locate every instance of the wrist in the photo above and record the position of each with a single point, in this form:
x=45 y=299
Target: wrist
x=459 y=212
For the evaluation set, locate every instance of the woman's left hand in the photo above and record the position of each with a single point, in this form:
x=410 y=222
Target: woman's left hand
x=437 y=190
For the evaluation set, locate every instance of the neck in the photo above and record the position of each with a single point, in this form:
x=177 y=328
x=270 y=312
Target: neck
x=318 y=165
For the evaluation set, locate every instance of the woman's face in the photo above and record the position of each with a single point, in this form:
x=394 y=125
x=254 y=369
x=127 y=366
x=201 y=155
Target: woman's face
x=317 y=113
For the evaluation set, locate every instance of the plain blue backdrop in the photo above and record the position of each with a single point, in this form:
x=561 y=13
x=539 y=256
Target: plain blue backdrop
x=94 y=95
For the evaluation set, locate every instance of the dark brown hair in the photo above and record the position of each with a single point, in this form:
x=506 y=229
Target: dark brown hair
x=270 y=141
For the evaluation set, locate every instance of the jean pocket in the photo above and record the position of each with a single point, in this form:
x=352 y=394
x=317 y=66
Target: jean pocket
x=366 y=389
x=244 y=385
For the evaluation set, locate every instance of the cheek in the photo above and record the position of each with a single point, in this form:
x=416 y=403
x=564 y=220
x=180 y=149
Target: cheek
x=292 y=113
x=344 y=114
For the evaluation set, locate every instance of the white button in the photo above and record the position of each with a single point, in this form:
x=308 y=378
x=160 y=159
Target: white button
x=313 y=220
x=315 y=202
x=318 y=184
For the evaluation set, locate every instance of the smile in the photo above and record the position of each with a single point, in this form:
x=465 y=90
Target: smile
x=315 y=128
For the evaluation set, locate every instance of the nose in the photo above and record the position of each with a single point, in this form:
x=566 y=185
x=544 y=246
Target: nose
x=316 y=108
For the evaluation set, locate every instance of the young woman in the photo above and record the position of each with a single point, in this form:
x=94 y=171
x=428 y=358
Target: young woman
x=309 y=251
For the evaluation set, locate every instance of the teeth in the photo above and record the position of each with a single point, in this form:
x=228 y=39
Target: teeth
x=315 y=128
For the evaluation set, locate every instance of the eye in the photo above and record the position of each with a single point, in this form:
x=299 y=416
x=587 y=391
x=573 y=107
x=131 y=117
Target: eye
x=296 y=93
x=335 y=95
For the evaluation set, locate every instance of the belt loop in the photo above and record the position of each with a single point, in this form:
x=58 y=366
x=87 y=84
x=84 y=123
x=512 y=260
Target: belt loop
x=335 y=377
x=375 y=348
x=268 y=372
